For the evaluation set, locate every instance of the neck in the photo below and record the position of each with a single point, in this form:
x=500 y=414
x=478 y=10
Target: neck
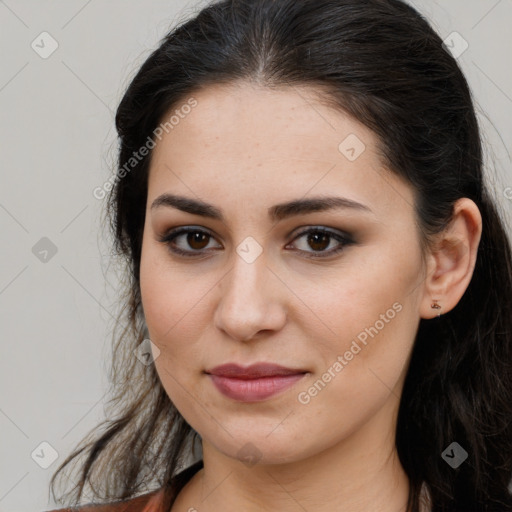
x=360 y=473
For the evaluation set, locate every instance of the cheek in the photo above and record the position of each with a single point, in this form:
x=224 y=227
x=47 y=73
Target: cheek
x=166 y=292
x=163 y=307
x=358 y=350
x=168 y=314
x=175 y=302
x=372 y=318
x=364 y=295
x=172 y=318
x=357 y=379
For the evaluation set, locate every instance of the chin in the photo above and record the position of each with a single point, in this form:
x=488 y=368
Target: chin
x=257 y=447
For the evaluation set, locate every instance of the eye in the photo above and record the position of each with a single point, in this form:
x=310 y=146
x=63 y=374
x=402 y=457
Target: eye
x=193 y=242
x=195 y=238
x=320 y=239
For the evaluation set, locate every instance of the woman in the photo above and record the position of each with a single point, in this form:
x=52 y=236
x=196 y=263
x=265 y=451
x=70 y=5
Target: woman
x=320 y=284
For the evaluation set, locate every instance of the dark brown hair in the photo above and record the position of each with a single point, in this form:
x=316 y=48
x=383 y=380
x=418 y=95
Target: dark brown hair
x=381 y=62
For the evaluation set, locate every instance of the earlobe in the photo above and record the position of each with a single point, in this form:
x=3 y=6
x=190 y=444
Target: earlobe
x=452 y=260
x=435 y=305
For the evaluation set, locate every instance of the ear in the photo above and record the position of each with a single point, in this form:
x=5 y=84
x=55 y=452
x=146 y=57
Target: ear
x=450 y=263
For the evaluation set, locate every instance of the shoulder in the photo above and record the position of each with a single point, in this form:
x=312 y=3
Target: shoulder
x=151 y=502
x=138 y=504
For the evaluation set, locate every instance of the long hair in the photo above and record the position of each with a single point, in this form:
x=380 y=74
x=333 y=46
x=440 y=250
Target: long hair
x=382 y=63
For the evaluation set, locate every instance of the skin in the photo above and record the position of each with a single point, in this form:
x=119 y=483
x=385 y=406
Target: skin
x=245 y=148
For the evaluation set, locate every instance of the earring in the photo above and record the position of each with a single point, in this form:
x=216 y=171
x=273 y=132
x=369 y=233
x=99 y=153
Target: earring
x=435 y=305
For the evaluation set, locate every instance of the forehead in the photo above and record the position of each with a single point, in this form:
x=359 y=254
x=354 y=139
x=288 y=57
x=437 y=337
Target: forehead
x=249 y=119
x=262 y=145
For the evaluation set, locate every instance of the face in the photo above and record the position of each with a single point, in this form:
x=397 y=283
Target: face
x=270 y=271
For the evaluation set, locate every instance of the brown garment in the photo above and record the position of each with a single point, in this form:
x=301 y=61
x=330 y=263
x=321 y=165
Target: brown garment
x=160 y=500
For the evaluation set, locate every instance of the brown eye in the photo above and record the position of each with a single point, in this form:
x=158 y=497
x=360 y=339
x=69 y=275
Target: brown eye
x=194 y=242
x=196 y=239
x=187 y=241
x=320 y=239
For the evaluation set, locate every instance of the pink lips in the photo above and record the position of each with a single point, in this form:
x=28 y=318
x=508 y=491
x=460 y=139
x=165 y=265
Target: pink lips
x=253 y=383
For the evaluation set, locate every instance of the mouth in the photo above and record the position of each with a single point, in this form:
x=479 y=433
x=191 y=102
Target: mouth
x=253 y=383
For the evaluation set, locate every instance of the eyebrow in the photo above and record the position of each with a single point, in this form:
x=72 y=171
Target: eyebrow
x=277 y=212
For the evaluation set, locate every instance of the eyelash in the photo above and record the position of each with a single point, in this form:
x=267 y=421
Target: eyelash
x=171 y=235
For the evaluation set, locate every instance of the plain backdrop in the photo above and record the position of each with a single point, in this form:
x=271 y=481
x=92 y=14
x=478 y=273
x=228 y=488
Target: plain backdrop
x=57 y=295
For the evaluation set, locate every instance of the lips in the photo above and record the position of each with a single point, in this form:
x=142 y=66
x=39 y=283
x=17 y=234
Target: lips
x=253 y=371
x=253 y=383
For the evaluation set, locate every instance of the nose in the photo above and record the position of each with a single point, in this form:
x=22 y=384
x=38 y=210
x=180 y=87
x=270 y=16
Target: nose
x=252 y=300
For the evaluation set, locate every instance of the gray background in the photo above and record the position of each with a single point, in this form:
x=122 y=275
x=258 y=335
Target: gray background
x=58 y=144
